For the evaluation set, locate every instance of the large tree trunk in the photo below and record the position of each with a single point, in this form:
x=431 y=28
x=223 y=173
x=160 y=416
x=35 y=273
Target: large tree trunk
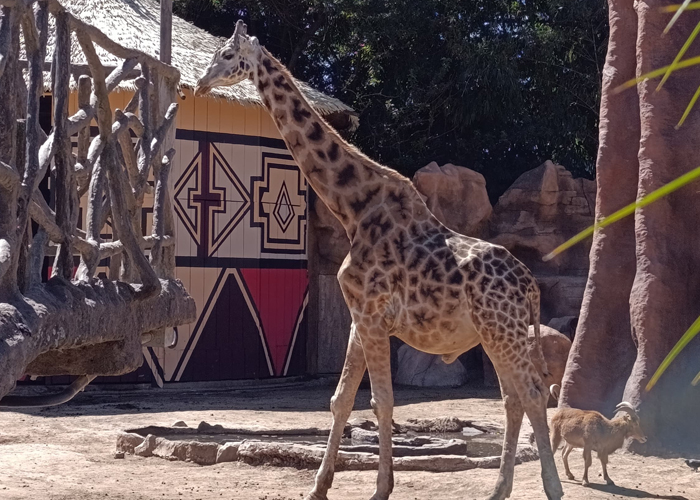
x=603 y=352
x=665 y=297
x=644 y=281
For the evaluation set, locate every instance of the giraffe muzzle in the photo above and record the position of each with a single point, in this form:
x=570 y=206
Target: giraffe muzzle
x=201 y=89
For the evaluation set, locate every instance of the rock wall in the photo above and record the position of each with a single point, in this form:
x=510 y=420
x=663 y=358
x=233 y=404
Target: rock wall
x=542 y=209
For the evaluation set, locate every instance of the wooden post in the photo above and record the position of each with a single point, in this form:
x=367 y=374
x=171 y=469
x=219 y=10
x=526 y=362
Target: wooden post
x=166 y=30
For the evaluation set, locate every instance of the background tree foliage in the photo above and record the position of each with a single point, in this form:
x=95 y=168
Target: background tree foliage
x=495 y=85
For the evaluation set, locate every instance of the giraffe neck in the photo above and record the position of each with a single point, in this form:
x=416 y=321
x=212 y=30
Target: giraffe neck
x=349 y=183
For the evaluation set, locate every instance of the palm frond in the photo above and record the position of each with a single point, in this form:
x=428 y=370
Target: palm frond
x=679 y=56
x=685 y=339
x=675 y=17
x=674 y=8
x=693 y=61
x=625 y=211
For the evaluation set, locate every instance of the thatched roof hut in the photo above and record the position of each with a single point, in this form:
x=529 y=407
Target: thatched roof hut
x=240 y=206
x=136 y=24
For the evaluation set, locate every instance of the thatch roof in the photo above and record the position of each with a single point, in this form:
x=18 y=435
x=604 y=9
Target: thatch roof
x=136 y=24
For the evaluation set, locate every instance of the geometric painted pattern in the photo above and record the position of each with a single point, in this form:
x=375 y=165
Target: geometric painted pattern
x=229 y=190
x=210 y=198
x=187 y=187
x=249 y=326
x=280 y=207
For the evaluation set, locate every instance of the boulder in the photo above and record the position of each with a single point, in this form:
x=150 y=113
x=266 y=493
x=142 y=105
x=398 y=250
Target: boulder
x=555 y=349
x=456 y=196
x=427 y=370
x=541 y=210
x=227 y=452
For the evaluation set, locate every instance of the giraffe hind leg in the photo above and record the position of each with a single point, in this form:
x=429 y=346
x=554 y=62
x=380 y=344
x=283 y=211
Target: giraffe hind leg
x=516 y=369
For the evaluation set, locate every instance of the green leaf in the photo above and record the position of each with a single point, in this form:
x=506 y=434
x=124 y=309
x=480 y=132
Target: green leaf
x=678 y=13
x=674 y=8
x=624 y=212
x=688 y=108
x=693 y=61
x=680 y=55
x=687 y=337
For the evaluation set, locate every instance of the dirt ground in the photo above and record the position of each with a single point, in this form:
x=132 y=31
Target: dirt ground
x=66 y=452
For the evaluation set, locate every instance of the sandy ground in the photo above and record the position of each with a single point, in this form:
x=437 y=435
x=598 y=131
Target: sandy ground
x=66 y=452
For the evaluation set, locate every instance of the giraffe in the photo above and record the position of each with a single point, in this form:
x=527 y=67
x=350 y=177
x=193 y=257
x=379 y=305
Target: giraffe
x=405 y=275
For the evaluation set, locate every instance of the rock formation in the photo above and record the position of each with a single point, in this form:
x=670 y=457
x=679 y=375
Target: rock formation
x=427 y=370
x=457 y=197
x=542 y=209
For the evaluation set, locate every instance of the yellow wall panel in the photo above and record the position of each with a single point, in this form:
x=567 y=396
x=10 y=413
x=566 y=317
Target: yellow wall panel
x=232 y=117
x=185 y=111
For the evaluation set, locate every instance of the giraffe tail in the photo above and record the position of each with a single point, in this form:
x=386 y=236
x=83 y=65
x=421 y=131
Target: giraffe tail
x=534 y=300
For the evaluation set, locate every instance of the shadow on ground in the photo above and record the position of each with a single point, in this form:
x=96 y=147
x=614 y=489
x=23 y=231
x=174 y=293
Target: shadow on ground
x=632 y=492
x=308 y=396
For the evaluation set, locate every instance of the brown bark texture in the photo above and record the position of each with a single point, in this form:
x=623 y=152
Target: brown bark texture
x=91 y=325
x=643 y=287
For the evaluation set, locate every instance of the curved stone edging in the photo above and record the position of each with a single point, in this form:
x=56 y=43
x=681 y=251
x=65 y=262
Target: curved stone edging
x=301 y=456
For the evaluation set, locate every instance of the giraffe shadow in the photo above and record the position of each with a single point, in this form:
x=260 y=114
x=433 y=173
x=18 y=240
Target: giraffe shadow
x=632 y=492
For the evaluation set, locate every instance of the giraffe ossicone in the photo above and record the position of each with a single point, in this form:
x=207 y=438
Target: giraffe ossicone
x=406 y=275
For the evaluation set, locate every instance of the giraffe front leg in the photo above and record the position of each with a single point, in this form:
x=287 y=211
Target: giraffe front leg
x=514 y=419
x=341 y=407
x=378 y=357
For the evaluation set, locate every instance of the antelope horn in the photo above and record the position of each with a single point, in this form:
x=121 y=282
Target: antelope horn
x=627 y=408
x=554 y=389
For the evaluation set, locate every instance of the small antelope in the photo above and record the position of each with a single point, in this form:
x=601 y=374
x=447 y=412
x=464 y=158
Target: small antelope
x=593 y=432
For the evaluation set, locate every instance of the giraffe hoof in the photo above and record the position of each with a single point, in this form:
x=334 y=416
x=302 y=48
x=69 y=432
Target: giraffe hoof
x=610 y=482
x=571 y=477
x=315 y=496
x=585 y=483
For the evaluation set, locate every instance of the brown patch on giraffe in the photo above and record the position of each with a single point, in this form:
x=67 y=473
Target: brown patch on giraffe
x=262 y=85
x=419 y=253
x=316 y=133
x=346 y=176
x=279 y=98
x=359 y=204
x=333 y=152
x=281 y=83
x=269 y=67
x=299 y=113
x=321 y=155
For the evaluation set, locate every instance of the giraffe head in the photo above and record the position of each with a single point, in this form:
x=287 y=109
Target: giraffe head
x=232 y=63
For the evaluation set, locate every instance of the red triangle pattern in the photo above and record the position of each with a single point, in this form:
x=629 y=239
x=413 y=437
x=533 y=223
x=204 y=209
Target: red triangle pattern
x=278 y=295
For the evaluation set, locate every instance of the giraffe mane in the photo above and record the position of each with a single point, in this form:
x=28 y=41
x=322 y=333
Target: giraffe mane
x=379 y=168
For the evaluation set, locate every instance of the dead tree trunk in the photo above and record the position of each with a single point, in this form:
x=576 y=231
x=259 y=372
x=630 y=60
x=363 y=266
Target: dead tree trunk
x=88 y=326
x=644 y=284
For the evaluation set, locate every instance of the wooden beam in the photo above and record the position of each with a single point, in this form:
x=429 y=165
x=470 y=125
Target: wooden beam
x=166 y=30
